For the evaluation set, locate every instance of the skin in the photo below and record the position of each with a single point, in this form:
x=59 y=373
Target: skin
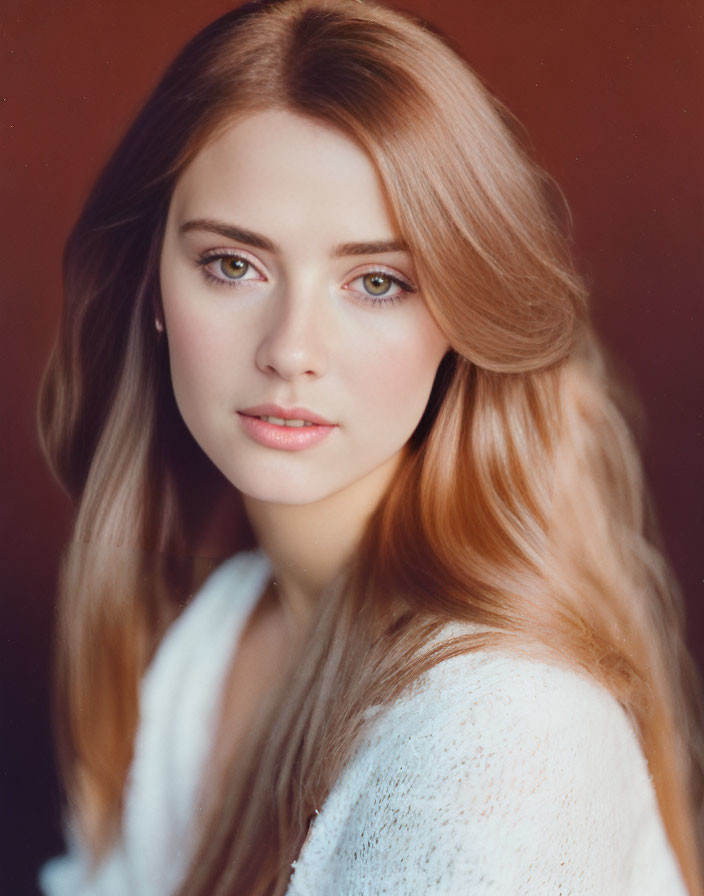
x=295 y=324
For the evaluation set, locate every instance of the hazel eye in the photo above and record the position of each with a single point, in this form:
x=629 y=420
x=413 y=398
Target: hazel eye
x=233 y=267
x=227 y=268
x=377 y=284
x=380 y=286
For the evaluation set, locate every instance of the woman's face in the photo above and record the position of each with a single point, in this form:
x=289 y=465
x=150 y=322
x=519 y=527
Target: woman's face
x=302 y=355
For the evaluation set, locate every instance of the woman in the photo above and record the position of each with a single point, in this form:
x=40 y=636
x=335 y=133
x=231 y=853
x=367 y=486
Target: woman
x=321 y=316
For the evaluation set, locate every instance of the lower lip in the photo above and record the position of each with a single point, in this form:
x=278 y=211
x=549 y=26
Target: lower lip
x=285 y=438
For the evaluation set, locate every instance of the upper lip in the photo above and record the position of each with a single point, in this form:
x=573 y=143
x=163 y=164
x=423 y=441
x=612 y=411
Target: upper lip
x=297 y=413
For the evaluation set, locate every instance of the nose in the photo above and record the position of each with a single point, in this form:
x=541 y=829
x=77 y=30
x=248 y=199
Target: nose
x=293 y=341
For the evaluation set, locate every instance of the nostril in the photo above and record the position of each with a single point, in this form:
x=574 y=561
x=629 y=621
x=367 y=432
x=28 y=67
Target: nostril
x=289 y=359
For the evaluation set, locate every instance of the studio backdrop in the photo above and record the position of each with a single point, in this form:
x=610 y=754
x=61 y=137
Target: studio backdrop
x=610 y=95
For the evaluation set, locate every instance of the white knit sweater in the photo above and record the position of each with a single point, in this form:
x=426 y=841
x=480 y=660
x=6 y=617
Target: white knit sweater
x=494 y=776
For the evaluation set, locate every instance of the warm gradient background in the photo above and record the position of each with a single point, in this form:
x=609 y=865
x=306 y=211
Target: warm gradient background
x=611 y=95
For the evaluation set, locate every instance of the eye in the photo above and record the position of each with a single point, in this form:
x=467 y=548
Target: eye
x=229 y=268
x=380 y=286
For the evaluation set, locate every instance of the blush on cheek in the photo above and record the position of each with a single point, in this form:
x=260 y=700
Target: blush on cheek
x=400 y=393
x=196 y=351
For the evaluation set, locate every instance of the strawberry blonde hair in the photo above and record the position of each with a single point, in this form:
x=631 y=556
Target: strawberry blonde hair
x=519 y=504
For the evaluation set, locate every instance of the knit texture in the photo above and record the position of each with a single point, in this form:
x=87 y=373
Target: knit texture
x=495 y=775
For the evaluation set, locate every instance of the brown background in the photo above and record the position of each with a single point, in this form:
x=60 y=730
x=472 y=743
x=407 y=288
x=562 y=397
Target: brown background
x=611 y=96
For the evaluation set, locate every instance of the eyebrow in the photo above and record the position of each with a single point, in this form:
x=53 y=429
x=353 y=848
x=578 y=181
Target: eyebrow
x=257 y=241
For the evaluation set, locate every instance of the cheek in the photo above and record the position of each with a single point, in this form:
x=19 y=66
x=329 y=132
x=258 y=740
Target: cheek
x=198 y=354
x=399 y=376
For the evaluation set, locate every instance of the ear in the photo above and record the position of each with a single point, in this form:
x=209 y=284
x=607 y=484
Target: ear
x=158 y=311
x=157 y=307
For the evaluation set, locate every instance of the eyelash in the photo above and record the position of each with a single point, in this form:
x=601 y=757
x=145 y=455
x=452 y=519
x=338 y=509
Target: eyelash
x=405 y=286
x=208 y=258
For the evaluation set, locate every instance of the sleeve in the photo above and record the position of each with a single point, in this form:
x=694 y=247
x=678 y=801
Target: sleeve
x=507 y=778
x=62 y=876
x=179 y=695
x=72 y=874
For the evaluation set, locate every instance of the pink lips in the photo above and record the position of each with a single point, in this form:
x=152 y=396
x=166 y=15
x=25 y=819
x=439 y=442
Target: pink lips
x=285 y=438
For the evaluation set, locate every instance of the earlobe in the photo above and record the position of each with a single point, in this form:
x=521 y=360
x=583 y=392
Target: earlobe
x=158 y=311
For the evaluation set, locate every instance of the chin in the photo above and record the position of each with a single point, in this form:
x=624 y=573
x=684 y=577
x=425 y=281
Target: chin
x=271 y=491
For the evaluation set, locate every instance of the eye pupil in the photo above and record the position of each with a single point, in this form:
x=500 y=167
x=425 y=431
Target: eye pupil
x=234 y=268
x=377 y=284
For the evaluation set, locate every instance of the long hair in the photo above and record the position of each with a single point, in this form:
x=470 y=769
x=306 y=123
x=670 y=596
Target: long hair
x=519 y=504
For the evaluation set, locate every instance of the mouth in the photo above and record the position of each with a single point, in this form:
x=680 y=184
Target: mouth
x=294 y=417
x=285 y=429
x=282 y=421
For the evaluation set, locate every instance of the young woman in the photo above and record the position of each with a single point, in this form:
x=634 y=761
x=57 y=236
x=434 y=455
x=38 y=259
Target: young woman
x=320 y=316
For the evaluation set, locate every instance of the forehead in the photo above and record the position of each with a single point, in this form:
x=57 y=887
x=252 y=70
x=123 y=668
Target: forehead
x=277 y=168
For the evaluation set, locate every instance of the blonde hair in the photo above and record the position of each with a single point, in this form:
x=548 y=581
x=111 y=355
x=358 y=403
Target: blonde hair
x=519 y=504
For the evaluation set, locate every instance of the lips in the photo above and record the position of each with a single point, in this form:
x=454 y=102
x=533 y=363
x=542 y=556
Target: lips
x=298 y=416
x=284 y=429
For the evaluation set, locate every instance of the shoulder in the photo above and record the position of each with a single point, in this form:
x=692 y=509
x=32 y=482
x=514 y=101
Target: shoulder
x=515 y=727
x=517 y=709
x=521 y=704
x=499 y=773
x=178 y=704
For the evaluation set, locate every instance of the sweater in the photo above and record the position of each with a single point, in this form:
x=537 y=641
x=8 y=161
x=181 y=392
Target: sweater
x=495 y=775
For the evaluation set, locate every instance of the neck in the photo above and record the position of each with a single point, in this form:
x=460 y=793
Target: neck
x=309 y=544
